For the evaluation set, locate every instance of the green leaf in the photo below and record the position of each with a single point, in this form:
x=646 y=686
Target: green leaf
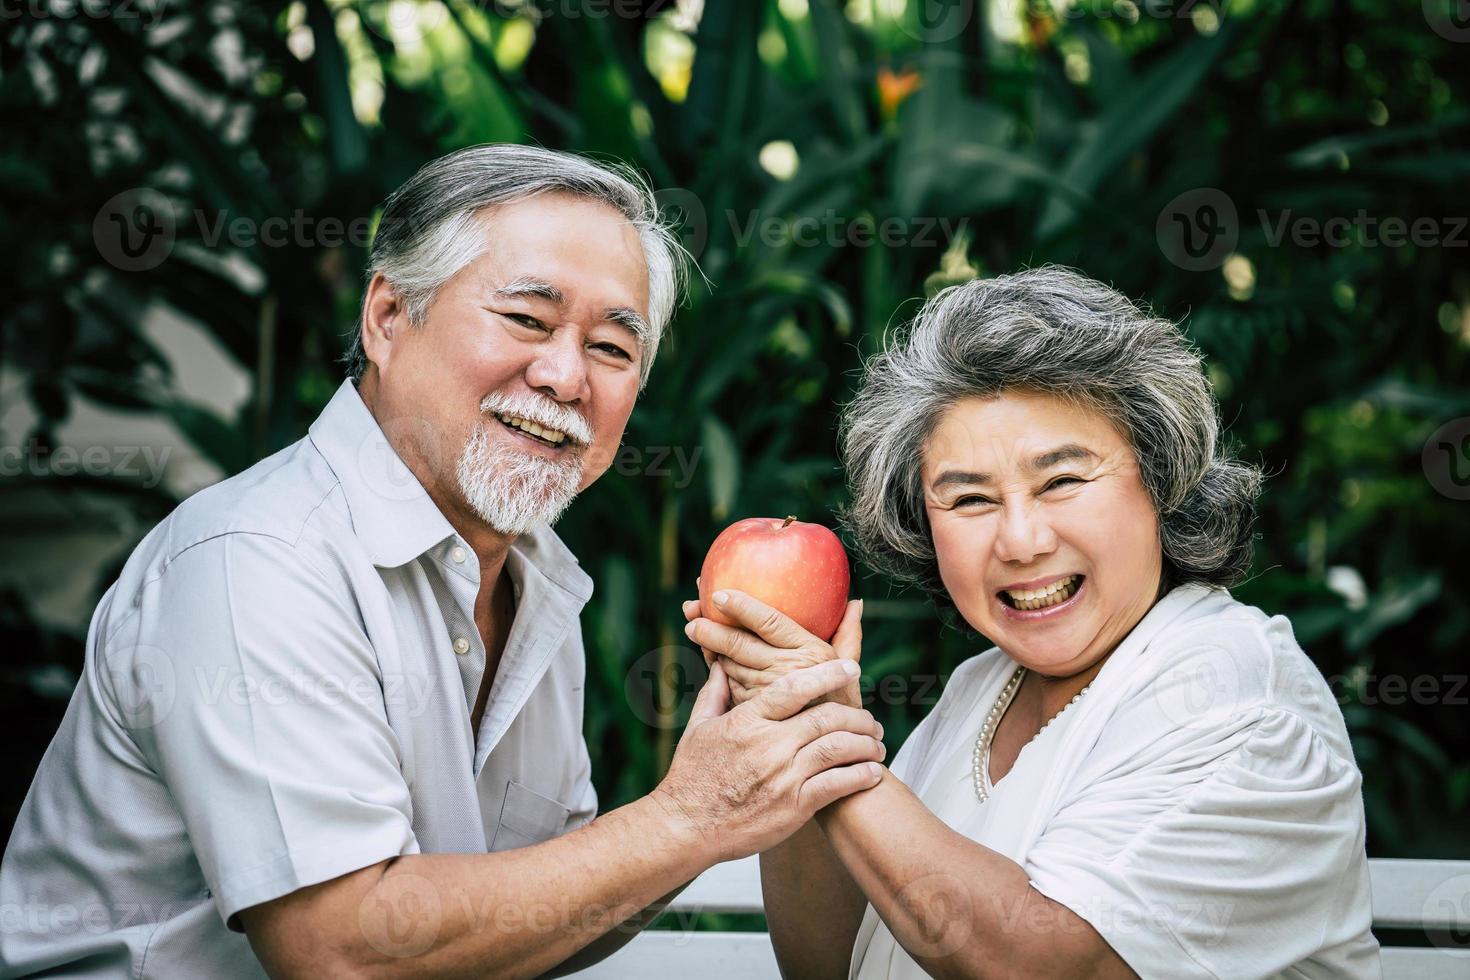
x=1392 y=606
x=221 y=442
x=617 y=615
x=346 y=142
x=722 y=465
x=1132 y=117
x=839 y=75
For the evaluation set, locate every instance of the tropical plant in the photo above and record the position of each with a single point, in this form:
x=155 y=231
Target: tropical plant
x=829 y=165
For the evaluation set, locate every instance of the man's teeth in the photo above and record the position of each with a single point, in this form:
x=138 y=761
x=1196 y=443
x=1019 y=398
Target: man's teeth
x=526 y=425
x=1057 y=592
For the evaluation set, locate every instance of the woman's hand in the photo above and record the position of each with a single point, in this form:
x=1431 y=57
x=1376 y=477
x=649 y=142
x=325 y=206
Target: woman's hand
x=768 y=644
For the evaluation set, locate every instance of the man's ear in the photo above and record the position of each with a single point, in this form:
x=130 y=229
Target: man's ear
x=383 y=319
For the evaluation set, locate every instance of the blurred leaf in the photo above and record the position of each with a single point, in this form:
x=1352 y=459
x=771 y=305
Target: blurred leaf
x=1131 y=116
x=221 y=442
x=1390 y=607
x=722 y=464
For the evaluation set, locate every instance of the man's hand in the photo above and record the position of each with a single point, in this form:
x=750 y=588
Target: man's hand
x=771 y=644
x=746 y=778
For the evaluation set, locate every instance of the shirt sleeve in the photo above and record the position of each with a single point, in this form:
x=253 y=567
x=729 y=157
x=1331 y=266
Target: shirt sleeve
x=1232 y=866
x=584 y=796
x=249 y=684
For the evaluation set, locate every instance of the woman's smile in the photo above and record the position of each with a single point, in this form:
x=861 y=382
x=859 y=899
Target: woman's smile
x=1058 y=596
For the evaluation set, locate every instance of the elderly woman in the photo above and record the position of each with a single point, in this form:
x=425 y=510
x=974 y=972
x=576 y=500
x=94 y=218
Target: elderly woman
x=1143 y=776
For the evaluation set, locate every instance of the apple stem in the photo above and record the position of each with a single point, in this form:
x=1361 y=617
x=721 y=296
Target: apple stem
x=789 y=519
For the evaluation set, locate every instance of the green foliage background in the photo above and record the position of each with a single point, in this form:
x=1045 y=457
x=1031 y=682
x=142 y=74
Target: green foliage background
x=1044 y=134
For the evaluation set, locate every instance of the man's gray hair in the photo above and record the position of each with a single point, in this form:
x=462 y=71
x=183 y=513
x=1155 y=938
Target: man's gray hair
x=1052 y=331
x=429 y=228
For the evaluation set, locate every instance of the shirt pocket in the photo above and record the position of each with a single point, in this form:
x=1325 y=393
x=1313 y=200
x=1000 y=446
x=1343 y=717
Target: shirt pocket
x=527 y=817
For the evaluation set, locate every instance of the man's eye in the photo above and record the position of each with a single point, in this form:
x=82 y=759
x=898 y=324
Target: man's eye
x=615 y=351
x=1062 y=481
x=526 y=320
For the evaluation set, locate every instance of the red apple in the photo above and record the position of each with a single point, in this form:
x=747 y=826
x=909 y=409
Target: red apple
x=800 y=569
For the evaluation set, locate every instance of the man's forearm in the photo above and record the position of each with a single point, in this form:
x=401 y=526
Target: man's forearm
x=813 y=907
x=610 y=942
x=521 y=913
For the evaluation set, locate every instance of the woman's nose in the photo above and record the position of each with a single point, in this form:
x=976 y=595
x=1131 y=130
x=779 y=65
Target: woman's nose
x=1024 y=533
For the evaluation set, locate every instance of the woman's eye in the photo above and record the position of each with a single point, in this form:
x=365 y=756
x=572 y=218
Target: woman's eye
x=972 y=499
x=1061 y=481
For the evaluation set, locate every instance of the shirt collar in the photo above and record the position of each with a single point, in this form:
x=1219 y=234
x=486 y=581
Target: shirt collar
x=393 y=515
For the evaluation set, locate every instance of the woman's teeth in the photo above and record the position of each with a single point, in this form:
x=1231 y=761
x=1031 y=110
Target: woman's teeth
x=526 y=425
x=1055 y=593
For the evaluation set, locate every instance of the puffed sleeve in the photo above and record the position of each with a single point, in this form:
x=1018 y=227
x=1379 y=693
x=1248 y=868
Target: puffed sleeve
x=250 y=686
x=1220 y=852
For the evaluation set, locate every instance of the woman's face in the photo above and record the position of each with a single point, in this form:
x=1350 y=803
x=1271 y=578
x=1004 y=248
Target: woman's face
x=1046 y=537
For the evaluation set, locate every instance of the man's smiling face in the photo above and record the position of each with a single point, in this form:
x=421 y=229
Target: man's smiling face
x=521 y=379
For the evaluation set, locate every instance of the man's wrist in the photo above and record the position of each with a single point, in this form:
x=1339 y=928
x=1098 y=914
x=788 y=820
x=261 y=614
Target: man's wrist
x=851 y=695
x=664 y=816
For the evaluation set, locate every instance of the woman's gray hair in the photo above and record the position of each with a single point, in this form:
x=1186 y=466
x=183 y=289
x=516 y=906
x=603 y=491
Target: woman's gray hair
x=429 y=230
x=1052 y=331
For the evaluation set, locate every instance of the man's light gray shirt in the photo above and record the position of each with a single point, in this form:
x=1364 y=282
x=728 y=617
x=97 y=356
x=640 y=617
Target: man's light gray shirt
x=276 y=692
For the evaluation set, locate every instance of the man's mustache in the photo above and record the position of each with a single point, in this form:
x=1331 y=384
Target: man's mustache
x=545 y=413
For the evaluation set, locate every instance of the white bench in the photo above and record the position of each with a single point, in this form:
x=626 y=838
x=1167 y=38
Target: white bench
x=1406 y=895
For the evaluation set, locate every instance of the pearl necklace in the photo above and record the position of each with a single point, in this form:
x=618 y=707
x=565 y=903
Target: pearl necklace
x=980 y=760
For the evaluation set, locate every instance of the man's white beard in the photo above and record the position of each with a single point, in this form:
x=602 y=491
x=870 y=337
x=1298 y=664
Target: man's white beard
x=511 y=490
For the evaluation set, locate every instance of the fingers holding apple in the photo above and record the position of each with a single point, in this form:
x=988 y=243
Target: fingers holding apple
x=768 y=645
x=759 y=637
x=750 y=682
x=772 y=593
x=739 y=693
x=798 y=568
x=691 y=613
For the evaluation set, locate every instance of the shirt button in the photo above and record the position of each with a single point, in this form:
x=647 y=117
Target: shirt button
x=461 y=645
x=458 y=554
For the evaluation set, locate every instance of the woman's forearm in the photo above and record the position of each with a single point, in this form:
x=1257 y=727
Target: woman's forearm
x=957 y=907
x=813 y=907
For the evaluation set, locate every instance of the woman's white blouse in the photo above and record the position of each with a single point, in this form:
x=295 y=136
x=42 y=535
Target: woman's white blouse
x=1200 y=806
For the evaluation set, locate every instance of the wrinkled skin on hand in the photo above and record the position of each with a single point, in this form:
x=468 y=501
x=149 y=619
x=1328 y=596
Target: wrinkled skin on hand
x=747 y=777
x=768 y=644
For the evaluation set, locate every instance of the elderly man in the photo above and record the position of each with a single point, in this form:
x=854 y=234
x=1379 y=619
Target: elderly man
x=330 y=718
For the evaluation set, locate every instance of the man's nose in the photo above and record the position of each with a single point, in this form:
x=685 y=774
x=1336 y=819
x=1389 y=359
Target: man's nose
x=560 y=368
x=1025 y=534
